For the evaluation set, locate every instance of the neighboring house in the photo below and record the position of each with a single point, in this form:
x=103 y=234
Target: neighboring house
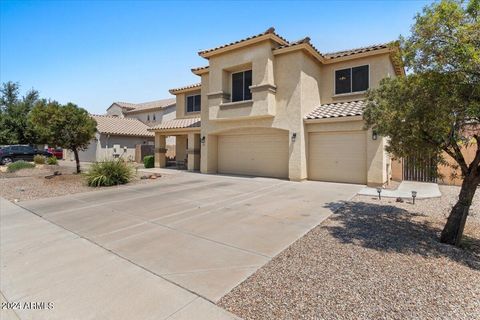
x=116 y=137
x=269 y=107
x=151 y=113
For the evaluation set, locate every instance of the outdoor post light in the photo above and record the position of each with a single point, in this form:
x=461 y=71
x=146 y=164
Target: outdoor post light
x=203 y=140
x=374 y=135
x=379 y=191
x=414 y=195
x=294 y=136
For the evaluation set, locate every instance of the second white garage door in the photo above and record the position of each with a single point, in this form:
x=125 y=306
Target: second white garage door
x=262 y=154
x=338 y=157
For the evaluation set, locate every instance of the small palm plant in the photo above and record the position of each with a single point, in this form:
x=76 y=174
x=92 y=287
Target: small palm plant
x=109 y=173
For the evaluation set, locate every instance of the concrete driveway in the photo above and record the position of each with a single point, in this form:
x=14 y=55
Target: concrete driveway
x=202 y=233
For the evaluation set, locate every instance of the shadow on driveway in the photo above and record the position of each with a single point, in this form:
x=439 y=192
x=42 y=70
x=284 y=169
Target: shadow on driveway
x=391 y=229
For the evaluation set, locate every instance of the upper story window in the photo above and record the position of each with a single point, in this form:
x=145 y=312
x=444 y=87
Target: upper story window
x=148 y=117
x=241 y=81
x=193 y=103
x=351 y=80
x=154 y=117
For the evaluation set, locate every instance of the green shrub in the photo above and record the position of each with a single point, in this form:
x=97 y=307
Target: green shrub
x=109 y=173
x=19 y=165
x=39 y=159
x=149 y=161
x=52 y=161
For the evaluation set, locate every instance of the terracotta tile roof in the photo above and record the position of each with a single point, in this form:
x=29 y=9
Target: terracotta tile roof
x=338 y=109
x=270 y=30
x=121 y=126
x=178 y=124
x=350 y=52
x=158 y=104
x=126 y=105
x=199 y=68
x=299 y=42
x=196 y=85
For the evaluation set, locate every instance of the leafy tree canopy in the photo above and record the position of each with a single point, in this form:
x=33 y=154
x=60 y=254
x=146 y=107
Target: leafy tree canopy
x=67 y=126
x=14 y=112
x=435 y=109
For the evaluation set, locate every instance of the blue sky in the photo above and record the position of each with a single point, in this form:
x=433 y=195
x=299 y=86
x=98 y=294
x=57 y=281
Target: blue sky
x=95 y=52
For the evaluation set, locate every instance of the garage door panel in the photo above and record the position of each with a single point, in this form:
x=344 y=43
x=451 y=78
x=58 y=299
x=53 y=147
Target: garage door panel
x=254 y=154
x=338 y=156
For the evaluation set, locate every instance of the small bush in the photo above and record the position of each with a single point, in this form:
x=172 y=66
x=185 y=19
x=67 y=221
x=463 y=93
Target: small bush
x=52 y=161
x=149 y=161
x=39 y=159
x=19 y=165
x=109 y=173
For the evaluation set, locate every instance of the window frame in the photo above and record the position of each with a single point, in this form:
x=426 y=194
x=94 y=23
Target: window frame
x=351 y=80
x=243 y=85
x=186 y=103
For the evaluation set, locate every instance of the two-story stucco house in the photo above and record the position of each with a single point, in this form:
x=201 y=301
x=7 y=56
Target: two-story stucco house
x=269 y=107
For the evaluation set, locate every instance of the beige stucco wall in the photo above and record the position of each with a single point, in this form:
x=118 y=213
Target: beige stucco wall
x=182 y=105
x=286 y=87
x=295 y=76
x=115 y=110
x=380 y=67
x=101 y=148
x=161 y=115
x=376 y=158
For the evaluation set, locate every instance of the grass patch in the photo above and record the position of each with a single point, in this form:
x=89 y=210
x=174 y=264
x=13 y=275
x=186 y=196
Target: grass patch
x=19 y=165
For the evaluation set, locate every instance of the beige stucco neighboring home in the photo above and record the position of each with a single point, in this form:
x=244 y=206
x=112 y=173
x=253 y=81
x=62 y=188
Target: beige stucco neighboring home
x=116 y=137
x=269 y=107
x=151 y=113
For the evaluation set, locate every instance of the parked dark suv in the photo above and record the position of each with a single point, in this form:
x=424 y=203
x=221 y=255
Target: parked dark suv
x=13 y=153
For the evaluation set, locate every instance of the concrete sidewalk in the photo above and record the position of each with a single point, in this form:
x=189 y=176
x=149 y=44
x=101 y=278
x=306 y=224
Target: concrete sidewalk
x=42 y=262
x=424 y=190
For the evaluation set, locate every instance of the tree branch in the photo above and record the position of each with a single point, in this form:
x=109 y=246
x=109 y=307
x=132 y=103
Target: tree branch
x=459 y=157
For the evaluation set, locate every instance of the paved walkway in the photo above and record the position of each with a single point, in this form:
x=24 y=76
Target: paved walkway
x=42 y=262
x=424 y=190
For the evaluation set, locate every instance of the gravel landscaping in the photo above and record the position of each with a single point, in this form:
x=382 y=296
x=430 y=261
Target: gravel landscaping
x=31 y=184
x=372 y=259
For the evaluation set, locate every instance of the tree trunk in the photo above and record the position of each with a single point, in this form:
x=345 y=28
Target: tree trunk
x=77 y=159
x=453 y=230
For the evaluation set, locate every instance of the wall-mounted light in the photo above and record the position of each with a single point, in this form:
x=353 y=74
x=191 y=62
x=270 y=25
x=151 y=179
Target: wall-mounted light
x=203 y=140
x=294 y=136
x=374 y=135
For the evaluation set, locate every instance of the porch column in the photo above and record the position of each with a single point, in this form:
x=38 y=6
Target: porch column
x=193 y=151
x=181 y=147
x=160 y=150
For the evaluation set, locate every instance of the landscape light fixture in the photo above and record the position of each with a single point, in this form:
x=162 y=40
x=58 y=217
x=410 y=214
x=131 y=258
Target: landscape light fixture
x=294 y=136
x=414 y=195
x=379 y=191
x=374 y=135
x=203 y=140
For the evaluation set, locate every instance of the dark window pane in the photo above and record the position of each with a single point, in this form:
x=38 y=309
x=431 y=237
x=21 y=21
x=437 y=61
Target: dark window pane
x=342 y=81
x=190 y=103
x=247 y=95
x=237 y=86
x=360 y=78
x=197 y=103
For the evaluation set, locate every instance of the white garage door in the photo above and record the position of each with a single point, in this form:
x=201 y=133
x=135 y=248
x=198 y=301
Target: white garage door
x=263 y=154
x=338 y=157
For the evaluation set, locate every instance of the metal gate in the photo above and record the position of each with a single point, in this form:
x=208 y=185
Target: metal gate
x=415 y=169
